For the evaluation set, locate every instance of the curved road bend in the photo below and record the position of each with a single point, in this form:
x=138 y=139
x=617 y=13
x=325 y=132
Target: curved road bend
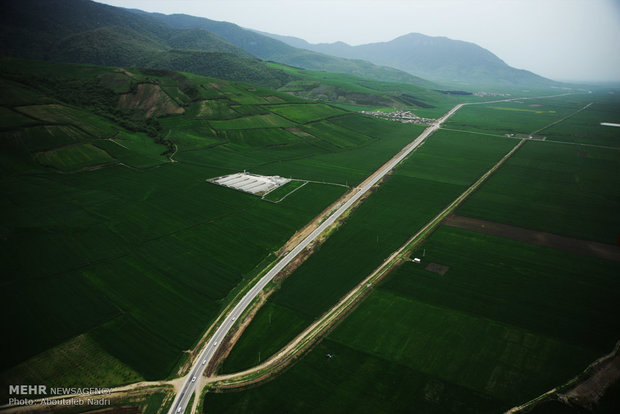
x=180 y=403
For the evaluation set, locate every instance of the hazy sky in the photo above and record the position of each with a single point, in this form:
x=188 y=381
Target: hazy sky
x=559 y=39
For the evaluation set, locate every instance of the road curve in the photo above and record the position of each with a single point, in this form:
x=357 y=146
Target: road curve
x=180 y=403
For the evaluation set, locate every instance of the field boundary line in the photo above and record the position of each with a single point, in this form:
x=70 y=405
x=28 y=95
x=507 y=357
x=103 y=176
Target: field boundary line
x=585 y=375
x=563 y=119
x=285 y=195
x=314 y=332
x=345 y=203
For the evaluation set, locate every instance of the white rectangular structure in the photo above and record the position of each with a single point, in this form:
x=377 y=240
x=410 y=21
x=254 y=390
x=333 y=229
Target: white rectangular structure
x=250 y=183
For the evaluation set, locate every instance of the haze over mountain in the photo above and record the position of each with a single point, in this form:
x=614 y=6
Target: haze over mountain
x=435 y=58
x=82 y=31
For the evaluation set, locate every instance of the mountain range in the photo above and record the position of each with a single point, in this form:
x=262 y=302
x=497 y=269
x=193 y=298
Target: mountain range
x=435 y=58
x=83 y=31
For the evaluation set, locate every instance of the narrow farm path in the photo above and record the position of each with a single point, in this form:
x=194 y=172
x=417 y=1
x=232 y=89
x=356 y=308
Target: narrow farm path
x=322 y=325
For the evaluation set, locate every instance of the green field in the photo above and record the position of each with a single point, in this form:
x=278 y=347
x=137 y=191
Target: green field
x=305 y=113
x=61 y=114
x=564 y=189
x=74 y=157
x=136 y=258
x=518 y=117
x=585 y=127
x=136 y=150
x=505 y=323
x=355 y=94
x=430 y=179
x=255 y=121
x=283 y=191
x=118 y=253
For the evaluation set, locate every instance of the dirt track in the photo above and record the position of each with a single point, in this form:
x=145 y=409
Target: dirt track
x=540 y=238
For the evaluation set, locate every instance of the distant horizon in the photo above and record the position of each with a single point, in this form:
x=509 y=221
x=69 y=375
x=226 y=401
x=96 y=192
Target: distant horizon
x=563 y=40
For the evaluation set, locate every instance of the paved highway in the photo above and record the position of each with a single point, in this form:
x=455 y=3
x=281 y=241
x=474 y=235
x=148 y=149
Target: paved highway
x=181 y=401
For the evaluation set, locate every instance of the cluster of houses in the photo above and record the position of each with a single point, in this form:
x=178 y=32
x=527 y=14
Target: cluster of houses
x=405 y=117
x=491 y=94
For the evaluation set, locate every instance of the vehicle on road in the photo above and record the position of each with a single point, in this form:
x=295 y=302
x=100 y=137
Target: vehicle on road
x=215 y=343
x=194 y=379
x=204 y=361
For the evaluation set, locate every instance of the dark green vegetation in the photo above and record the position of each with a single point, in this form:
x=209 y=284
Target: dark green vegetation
x=82 y=31
x=434 y=176
x=565 y=189
x=283 y=191
x=114 y=245
x=439 y=59
x=517 y=117
x=507 y=322
x=269 y=49
x=585 y=127
x=355 y=93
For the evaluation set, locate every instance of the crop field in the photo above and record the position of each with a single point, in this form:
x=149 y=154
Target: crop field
x=283 y=191
x=305 y=113
x=519 y=117
x=61 y=114
x=41 y=138
x=12 y=119
x=216 y=109
x=585 y=127
x=355 y=94
x=137 y=150
x=343 y=150
x=569 y=190
x=427 y=182
x=81 y=359
x=74 y=157
x=135 y=270
x=260 y=137
x=348 y=166
x=254 y=121
x=507 y=322
x=134 y=259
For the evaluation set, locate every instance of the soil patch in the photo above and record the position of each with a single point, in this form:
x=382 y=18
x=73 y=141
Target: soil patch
x=540 y=238
x=437 y=268
x=588 y=393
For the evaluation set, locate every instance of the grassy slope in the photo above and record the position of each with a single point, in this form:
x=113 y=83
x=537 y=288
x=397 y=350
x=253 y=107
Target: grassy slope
x=357 y=93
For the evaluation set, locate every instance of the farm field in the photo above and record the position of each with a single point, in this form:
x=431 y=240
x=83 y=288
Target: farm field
x=472 y=340
x=355 y=94
x=283 y=191
x=135 y=256
x=305 y=113
x=569 y=190
x=427 y=182
x=585 y=128
x=516 y=117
